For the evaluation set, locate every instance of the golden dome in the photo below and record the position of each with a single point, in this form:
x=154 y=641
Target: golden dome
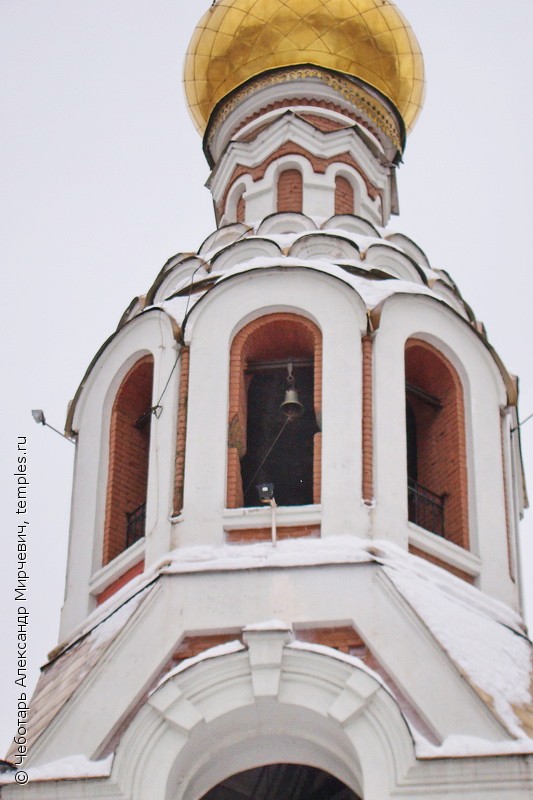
x=236 y=40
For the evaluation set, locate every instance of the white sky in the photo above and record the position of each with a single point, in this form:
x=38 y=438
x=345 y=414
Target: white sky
x=103 y=179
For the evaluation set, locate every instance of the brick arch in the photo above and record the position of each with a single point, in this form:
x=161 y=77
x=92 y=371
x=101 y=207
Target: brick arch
x=319 y=165
x=235 y=203
x=240 y=215
x=436 y=442
x=272 y=337
x=344 y=196
x=290 y=190
x=129 y=445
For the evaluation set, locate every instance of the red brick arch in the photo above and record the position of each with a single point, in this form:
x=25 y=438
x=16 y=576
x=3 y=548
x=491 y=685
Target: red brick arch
x=129 y=444
x=438 y=412
x=271 y=337
x=344 y=196
x=290 y=190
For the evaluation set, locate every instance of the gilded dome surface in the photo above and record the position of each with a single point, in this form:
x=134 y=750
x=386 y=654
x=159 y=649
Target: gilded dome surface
x=236 y=40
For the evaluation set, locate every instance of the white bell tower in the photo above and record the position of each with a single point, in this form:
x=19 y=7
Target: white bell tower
x=292 y=568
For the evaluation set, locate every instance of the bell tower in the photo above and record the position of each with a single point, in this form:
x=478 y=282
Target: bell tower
x=292 y=567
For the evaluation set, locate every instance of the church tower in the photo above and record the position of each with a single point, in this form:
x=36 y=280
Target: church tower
x=292 y=569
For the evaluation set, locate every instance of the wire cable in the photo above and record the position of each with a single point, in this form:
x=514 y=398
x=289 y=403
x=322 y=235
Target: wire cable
x=250 y=484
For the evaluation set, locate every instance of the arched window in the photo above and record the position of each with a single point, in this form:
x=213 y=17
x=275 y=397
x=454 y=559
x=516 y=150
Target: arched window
x=129 y=445
x=344 y=196
x=436 y=450
x=241 y=208
x=290 y=191
x=270 y=441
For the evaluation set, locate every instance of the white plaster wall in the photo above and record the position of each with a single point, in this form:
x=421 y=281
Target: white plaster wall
x=340 y=315
x=484 y=393
x=357 y=594
x=150 y=333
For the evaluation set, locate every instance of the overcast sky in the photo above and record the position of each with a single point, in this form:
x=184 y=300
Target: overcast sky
x=102 y=175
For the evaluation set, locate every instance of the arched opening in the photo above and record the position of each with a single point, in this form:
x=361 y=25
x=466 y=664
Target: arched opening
x=344 y=196
x=231 y=722
x=412 y=443
x=269 y=441
x=281 y=782
x=129 y=446
x=436 y=450
x=290 y=191
x=240 y=213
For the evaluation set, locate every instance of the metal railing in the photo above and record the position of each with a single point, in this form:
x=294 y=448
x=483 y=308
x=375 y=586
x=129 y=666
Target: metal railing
x=135 y=525
x=425 y=507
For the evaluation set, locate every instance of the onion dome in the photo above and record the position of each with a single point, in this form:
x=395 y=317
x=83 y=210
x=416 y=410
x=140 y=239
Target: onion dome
x=366 y=40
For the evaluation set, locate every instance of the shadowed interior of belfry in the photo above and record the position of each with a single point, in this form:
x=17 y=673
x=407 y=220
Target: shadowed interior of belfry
x=281 y=782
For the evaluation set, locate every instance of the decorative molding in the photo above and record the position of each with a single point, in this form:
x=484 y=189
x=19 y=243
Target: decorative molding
x=374 y=109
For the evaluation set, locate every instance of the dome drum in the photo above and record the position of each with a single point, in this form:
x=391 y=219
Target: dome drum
x=246 y=182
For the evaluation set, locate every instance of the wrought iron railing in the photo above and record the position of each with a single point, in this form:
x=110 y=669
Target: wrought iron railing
x=425 y=507
x=135 y=524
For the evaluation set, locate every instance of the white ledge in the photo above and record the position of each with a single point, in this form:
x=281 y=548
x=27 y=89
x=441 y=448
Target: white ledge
x=446 y=551
x=260 y=517
x=105 y=576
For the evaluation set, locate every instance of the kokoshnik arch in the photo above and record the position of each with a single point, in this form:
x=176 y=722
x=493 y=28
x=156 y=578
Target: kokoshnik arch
x=358 y=635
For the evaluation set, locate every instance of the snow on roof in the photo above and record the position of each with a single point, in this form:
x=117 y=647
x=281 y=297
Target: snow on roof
x=108 y=629
x=68 y=768
x=324 y=650
x=236 y=646
x=484 y=638
x=225 y=649
x=392 y=556
x=62 y=676
x=453 y=746
x=369 y=289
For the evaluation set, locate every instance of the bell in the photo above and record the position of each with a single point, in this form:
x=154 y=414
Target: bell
x=291 y=406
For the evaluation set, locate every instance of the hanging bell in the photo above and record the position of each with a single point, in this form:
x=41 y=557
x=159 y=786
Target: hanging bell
x=291 y=406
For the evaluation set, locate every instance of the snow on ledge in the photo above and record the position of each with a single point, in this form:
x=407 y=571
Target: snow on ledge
x=353 y=661
x=68 y=768
x=470 y=746
x=289 y=553
x=218 y=650
x=267 y=625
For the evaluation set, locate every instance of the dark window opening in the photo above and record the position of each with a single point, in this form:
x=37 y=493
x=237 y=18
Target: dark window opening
x=129 y=447
x=261 y=449
x=412 y=452
x=135 y=524
x=425 y=507
x=279 y=451
x=435 y=438
x=281 y=782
